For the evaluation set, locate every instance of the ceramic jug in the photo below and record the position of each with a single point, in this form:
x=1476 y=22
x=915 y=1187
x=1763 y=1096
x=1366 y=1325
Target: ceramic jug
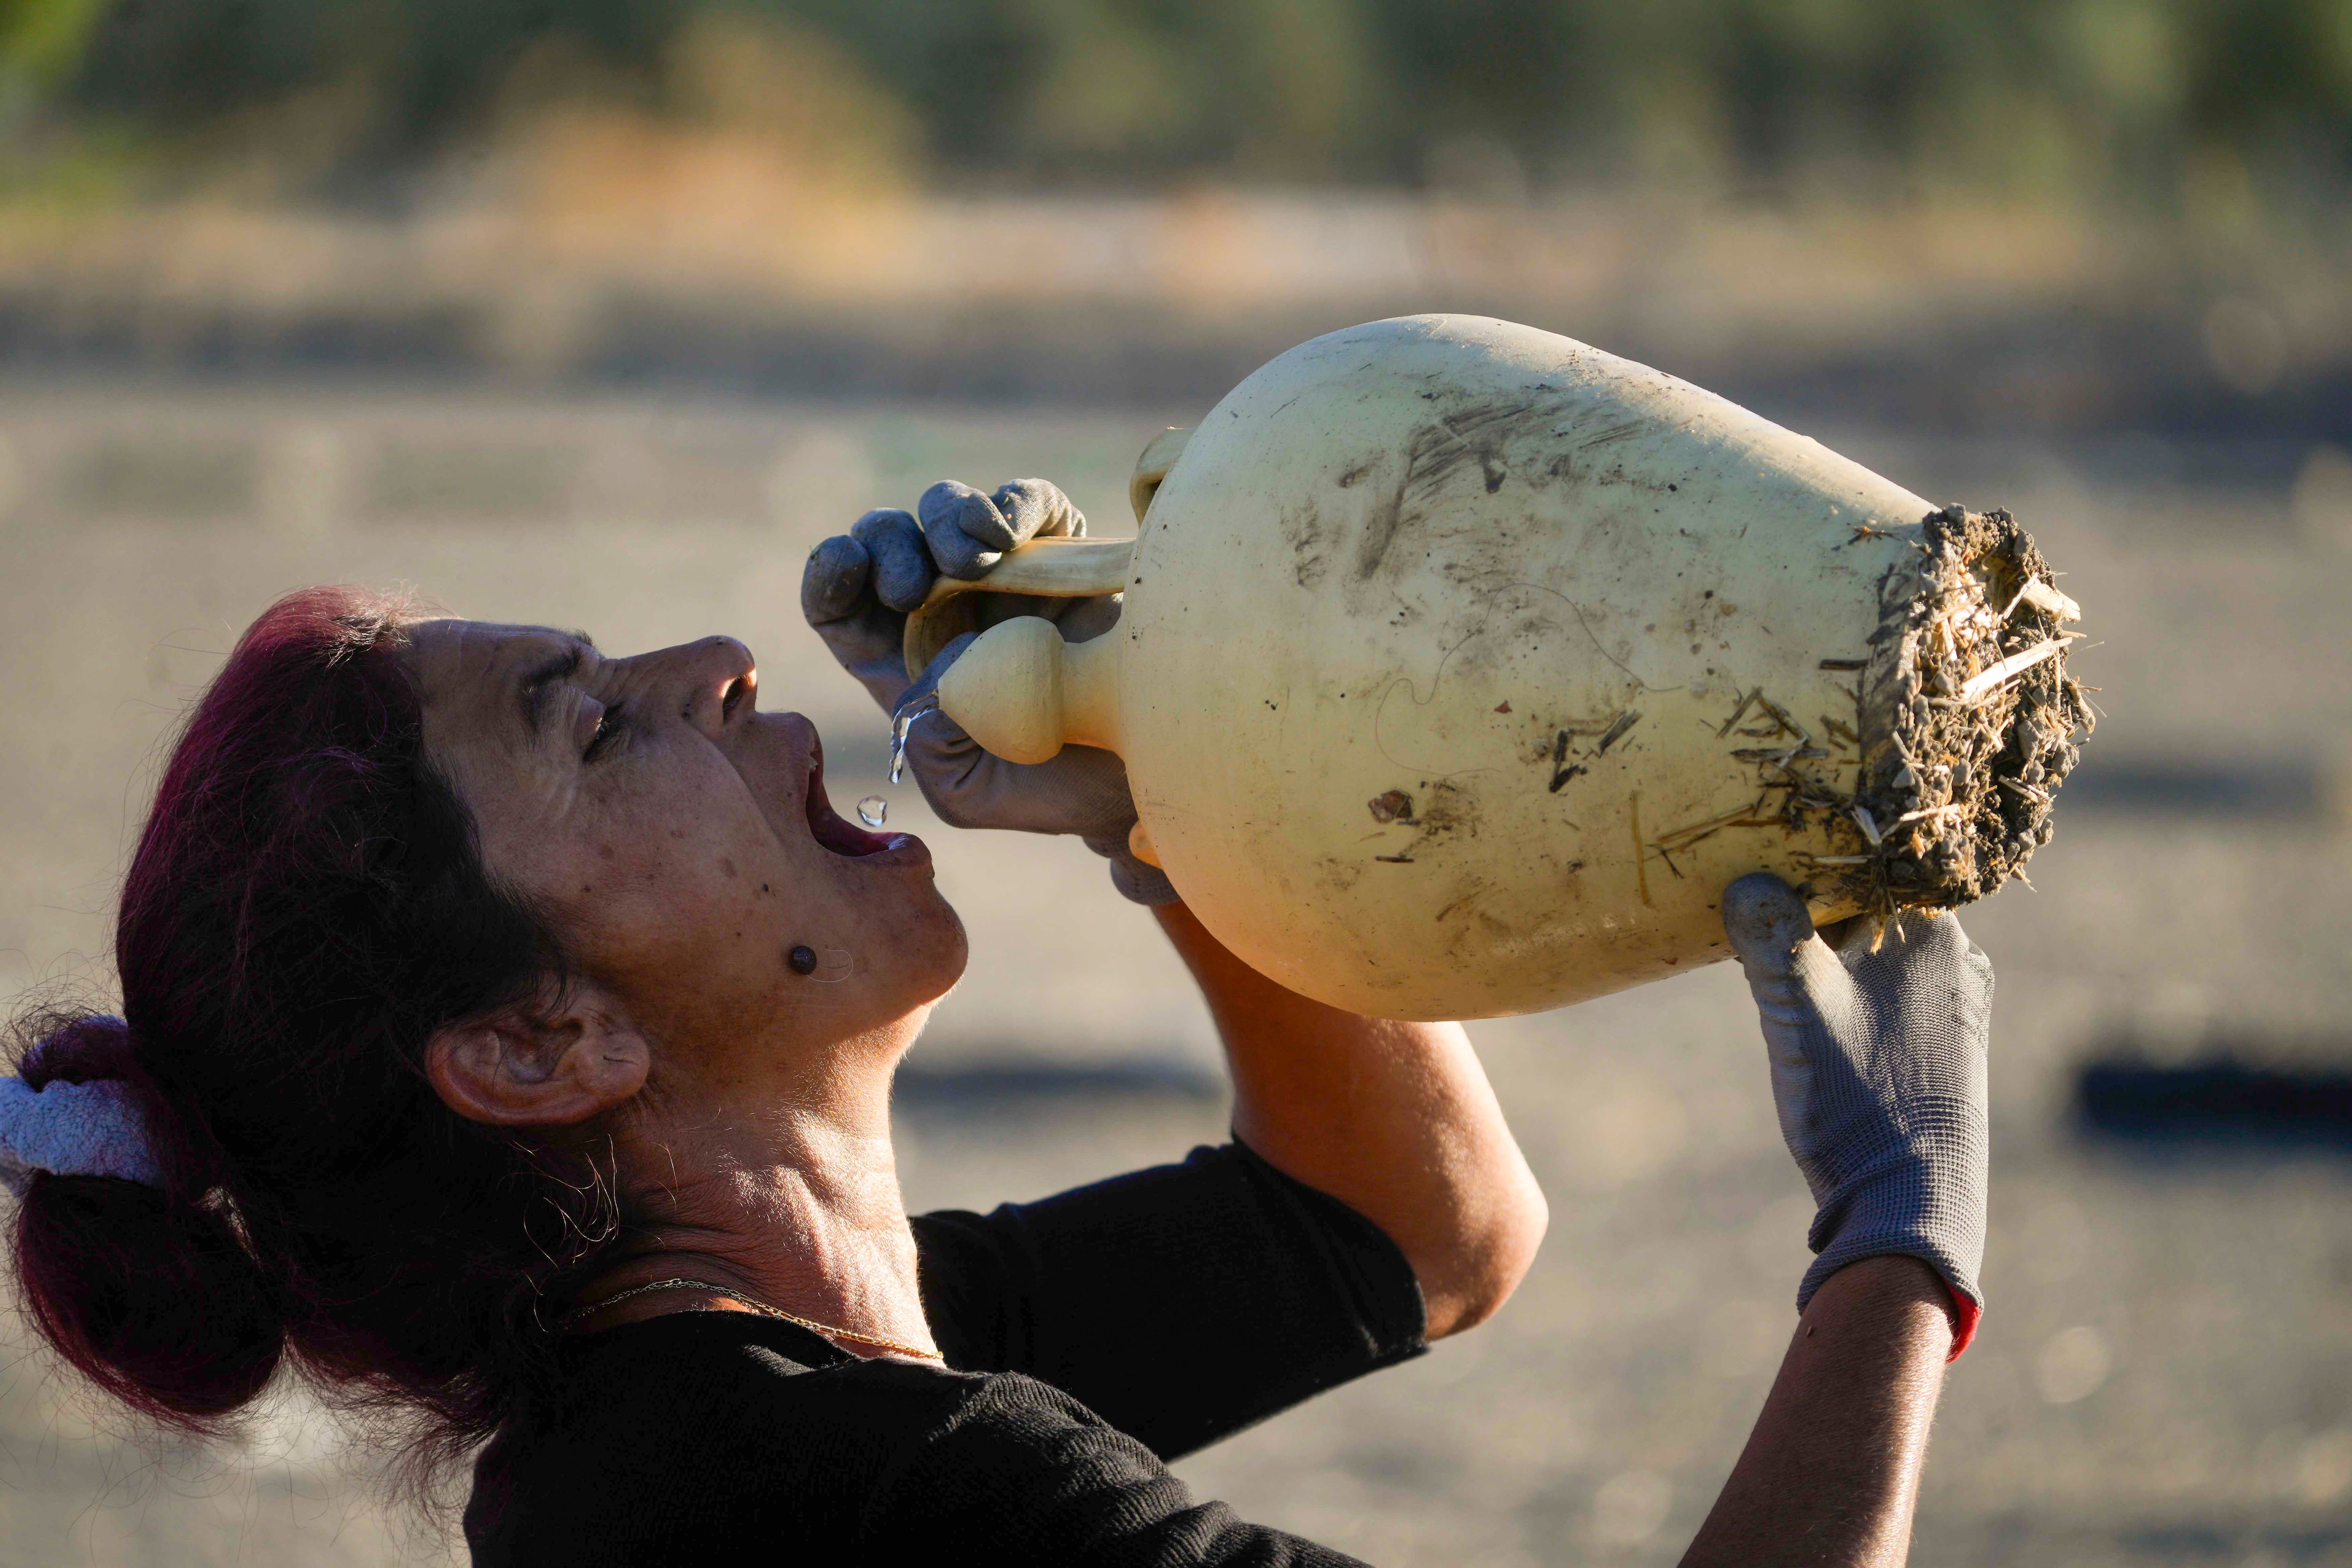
x=1460 y=665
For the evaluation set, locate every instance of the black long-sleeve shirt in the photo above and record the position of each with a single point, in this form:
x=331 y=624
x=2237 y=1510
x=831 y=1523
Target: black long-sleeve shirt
x=1089 y=1338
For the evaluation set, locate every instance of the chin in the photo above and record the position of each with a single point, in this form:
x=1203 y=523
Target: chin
x=943 y=951
x=927 y=961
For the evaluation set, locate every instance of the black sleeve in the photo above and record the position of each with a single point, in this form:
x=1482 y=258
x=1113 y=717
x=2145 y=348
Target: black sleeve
x=1181 y=1303
x=1022 y=1475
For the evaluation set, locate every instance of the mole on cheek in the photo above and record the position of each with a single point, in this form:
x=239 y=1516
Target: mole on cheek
x=603 y=852
x=803 y=959
x=726 y=867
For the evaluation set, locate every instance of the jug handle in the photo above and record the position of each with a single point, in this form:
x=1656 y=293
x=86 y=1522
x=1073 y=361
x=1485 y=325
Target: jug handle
x=1158 y=457
x=1048 y=568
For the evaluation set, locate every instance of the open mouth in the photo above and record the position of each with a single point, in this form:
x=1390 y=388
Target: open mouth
x=832 y=830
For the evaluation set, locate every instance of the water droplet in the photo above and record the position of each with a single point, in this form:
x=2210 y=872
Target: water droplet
x=873 y=810
x=903 y=727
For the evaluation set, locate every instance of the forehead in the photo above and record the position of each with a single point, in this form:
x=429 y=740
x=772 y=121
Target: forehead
x=470 y=672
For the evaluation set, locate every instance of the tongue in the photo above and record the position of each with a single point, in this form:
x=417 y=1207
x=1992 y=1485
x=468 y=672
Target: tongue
x=835 y=833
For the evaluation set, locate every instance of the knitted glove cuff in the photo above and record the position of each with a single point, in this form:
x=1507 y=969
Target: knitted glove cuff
x=1899 y=1217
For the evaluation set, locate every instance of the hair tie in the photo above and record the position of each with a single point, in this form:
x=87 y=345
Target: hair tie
x=94 y=1128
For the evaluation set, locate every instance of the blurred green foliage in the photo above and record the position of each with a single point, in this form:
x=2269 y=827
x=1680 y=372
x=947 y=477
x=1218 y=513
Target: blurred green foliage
x=2173 y=101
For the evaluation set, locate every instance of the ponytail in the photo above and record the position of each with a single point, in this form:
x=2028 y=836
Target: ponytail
x=149 y=1292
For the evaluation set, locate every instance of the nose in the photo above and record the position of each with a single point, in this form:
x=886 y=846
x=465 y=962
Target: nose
x=721 y=678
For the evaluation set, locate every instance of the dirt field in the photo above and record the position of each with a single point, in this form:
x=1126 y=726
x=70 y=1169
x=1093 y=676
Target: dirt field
x=2165 y=1374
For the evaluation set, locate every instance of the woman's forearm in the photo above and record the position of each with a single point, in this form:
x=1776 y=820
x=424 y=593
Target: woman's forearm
x=1831 y=1474
x=1394 y=1119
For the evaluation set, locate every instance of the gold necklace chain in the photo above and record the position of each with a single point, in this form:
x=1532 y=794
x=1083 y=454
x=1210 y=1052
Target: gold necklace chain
x=827 y=1329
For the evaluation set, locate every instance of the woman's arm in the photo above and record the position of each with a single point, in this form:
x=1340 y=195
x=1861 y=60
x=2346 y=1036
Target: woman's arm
x=1878 y=1050
x=1831 y=1471
x=1396 y=1120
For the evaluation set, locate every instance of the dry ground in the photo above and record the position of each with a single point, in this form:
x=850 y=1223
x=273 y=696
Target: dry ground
x=2165 y=1374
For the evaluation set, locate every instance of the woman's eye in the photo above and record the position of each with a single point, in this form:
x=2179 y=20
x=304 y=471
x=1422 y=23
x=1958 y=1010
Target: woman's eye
x=608 y=730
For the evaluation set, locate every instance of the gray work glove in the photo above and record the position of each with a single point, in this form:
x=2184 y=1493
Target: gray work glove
x=1879 y=1077
x=857 y=592
x=858 y=587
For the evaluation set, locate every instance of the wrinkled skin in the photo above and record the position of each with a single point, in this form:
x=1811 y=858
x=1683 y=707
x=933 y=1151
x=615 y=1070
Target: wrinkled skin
x=664 y=825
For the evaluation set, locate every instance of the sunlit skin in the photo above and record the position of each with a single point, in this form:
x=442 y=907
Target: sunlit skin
x=662 y=824
x=677 y=841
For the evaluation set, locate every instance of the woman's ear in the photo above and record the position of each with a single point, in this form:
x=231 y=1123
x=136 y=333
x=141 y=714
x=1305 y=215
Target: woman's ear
x=526 y=1067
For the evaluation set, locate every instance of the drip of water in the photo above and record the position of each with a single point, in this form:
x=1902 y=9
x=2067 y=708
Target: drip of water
x=901 y=729
x=873 y=810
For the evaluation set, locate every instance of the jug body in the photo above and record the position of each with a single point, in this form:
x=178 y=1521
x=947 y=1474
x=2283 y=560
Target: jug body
x=1463 y=666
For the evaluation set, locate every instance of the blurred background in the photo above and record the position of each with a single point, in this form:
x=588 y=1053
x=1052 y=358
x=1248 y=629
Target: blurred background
x=600 y=312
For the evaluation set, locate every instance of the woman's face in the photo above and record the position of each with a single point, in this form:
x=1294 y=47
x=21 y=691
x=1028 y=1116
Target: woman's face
x=680 y=841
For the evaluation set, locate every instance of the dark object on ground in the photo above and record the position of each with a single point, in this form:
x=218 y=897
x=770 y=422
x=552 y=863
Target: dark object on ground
x=2218 y=1098
x=2271 y=789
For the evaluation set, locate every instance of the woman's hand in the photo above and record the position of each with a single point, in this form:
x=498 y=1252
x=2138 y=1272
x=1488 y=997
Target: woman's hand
x=1879 y=1075
x=856 y=593
x=859 y=587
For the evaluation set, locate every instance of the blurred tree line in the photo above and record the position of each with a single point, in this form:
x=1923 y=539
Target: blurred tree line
x=2157 y=101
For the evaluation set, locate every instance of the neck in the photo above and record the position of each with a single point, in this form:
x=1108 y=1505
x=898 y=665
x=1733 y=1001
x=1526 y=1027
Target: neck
x=791 y=1202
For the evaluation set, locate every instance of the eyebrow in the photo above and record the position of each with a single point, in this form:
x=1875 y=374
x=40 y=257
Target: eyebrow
x=539 y=682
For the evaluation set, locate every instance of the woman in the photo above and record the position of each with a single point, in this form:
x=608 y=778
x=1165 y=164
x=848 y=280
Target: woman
x=507 y=1039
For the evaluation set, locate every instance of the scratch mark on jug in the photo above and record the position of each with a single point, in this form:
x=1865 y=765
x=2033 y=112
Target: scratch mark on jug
x=1617 y=432
x=1435 y=451
x=1561 y=769
x=1381 y=529
x=1490 y=464
x=1625 y=722
x=1749 y=815
x=1475 y=433
x=1740 y=712
x=1641 y=864
x=1610 y=731
x=1304 y=530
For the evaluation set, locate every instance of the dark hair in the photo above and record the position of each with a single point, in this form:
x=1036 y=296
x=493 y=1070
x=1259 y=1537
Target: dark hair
x=306 y=905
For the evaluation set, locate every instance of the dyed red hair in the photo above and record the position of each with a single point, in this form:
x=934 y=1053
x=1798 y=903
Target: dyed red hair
x=306 y=906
